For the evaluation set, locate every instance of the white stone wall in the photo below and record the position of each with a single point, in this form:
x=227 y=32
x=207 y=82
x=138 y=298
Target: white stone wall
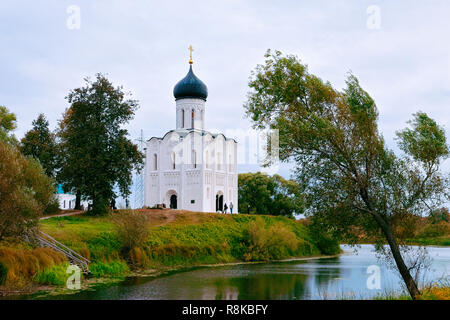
x=185 y=109
x=195 y=179
x=67 y=201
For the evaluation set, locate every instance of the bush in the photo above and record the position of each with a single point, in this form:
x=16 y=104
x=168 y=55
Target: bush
x=132 y=229
x=264 y=244
x=3 y=273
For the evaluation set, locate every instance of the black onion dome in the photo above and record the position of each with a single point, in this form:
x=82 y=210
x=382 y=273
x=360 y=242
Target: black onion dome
x=190 y=87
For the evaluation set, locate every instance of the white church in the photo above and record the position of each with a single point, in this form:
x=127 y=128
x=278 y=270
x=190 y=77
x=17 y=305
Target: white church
x=190 y=168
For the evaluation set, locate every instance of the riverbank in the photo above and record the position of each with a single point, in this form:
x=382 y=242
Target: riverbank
x=49 y=292
x=437 y=292
x=176 y=240
x=342 y=278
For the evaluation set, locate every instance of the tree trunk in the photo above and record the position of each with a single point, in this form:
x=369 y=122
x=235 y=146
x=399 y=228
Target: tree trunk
x=99 y=204
x=78 y=200
x=395 y=249
x=402 y=268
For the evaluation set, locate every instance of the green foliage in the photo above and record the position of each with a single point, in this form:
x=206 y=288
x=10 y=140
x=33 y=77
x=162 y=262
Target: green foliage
x=55 y=275
x=425 y=141
x=351 y=179
x=260 y=193
x=40 y=144
x=25 y=191
x=275 y=242
x=439 y=215
x=96 y=152
x=113 y=268
x=435 y=230
x=7 y=124
x=326 y=244
x=3 y=273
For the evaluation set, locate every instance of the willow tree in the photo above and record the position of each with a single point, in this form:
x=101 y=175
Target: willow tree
x=352 y=181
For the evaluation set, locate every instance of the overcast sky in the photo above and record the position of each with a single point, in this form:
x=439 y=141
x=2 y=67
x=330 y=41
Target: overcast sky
x=402 y=59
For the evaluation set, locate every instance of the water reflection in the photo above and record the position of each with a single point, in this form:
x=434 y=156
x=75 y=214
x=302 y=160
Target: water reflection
x=342 y=277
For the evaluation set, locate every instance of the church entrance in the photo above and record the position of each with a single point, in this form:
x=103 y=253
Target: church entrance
x=173 y=201
x=219 y=202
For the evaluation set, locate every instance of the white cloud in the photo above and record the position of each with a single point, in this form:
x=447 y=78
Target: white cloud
x=142 y=45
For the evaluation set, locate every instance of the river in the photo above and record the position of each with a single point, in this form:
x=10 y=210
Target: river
x=333 y=278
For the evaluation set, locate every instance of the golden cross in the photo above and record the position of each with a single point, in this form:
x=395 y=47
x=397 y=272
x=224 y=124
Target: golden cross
x=190 y=54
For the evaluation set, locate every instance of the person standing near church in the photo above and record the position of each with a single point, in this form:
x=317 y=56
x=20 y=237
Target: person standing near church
x=225 y=208
x=231 y=207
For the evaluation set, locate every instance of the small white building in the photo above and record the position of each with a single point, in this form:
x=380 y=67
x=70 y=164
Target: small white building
x=190 y=168
x=67 y=200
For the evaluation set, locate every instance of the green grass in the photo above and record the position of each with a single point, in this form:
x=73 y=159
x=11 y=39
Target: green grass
x=109 y=269
x=175 y=240
x=55 y=275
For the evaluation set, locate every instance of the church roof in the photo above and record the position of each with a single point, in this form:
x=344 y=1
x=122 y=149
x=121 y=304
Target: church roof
x=184 y=132
x=190 y=87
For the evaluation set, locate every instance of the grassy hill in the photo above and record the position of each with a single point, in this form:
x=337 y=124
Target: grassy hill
x=183 y=238
x=174 y=239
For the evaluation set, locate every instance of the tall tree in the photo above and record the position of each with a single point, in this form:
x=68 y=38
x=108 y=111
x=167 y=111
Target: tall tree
x=7 y=124
x=96 y=155
x=40 y=144
x=273 y=195
x=352 y=180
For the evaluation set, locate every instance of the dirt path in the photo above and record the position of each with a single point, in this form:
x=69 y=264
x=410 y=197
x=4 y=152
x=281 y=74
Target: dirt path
x=63 y=215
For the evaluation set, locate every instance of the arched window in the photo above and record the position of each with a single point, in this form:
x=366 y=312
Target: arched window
x=207 y=159
x=182 y=118
x=219 y=161
x=155 y=162
x=172 y=156
x=202 y=118
x=192 y=118
x=194 y=158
